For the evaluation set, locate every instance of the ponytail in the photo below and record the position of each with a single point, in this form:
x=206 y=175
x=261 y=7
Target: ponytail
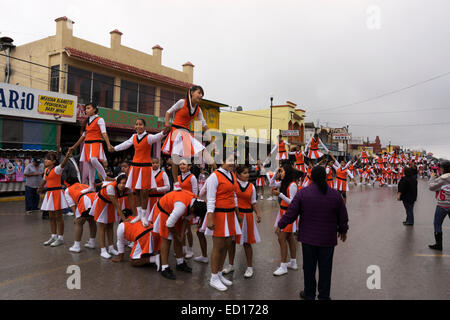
x=319 y=177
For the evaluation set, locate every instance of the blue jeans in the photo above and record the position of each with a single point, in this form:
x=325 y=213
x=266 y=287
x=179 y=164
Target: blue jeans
x=409 y=206
x=439 y=216
x=322 y=257
x=31 y=199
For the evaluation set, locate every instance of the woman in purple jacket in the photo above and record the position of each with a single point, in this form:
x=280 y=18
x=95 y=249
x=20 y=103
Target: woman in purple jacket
x=323 y=216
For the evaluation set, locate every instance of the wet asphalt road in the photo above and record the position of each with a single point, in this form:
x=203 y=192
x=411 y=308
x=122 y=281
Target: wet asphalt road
x=409 y=269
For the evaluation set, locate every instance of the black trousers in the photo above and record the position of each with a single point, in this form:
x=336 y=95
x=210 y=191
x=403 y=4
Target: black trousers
x=409 y=207
x=322 y=257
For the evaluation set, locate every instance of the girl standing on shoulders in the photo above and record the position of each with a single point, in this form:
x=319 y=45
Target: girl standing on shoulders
x=94 y=131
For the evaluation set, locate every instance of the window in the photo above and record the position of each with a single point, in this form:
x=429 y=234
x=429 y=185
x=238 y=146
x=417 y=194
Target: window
x=89 y=86
x=146 y=99
x=103 y=90
x=54 y=78
x=128 y=96
x=79 y=84
x=168 y=99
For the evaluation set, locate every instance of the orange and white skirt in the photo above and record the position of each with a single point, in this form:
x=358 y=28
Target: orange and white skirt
x=282 y=155
x=249 y=230
x=85 y=204
x=300 y=167
x=104 y=212
x=290 y=227
x=364 y=160
x=330 y=183
x=181 y=143
x=54 y=200
x=306 y=182
x=226 y=225
x=160 y=227
x=139 y=178
x=92 y=150
x=149 y=243
x=260 y=182
x=315 y=154
x=341 y=185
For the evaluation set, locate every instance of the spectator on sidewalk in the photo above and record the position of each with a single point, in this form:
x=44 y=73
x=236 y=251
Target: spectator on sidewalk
x=33 y=173
x=322 y=217
x=440 y=184
x=407 y=193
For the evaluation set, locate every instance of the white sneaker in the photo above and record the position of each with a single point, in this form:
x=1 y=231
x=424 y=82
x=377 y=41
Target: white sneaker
x=292 y=265
x=105 y=255
x=218 y=285
x=189 y=254
x=156 y=259
x=228 y=269
x=248 y=273
x=90 y=245
x=75 y=249
x=201 y=259
x=280 y=271
x=224 y=280
x=49 y=241
x=144 y=222
x=270 y=198
x=113 y=252
x=70 y=213
x=57 y=242
x=29 y=212
x=131 y=245
x=262 y=198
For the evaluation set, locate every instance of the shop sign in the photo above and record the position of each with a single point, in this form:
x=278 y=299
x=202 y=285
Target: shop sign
x=24 y=102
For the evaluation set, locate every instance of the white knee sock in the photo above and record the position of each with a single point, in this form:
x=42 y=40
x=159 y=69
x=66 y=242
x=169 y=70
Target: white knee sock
x=98 y=166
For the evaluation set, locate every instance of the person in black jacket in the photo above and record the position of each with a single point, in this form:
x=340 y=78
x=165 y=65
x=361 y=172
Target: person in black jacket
x=407 y=193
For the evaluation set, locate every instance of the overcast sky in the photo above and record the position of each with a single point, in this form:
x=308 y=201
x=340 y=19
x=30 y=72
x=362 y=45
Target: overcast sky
x=320 y=54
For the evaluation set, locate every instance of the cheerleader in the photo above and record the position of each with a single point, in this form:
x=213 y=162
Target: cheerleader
x=201 y=233
x=313 y=148
x=106 y=210
x=282 y=149
x=188 y=182
x=222 y=220
x=394 y=158
x=329 y=172
x=92 y=152
x=288 y=188
x=180 y=142
x=173 y=212
x=379 y=164
x=363 y=157
x=260 y=179
x=247 y=203
x=270 y=175
x=352 y=169
x=146 y=243
x=160 y=186
x=80 y=204
x=140 y=174
x=342 y=173
x=299 y=159
x=307 y=180
x=54 y=200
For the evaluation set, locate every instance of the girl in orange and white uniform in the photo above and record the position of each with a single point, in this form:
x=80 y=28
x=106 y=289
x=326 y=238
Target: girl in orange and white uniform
x=140 y=174
x=173 y=211
x=342 y=173
x=288 y=188
x=247 y=203
x=179 y=141
x=363 y=157
x=54 y=200
x=313 y=147
x=92 y=152
x=329 y=172
x=80 y=204
x=146 y=244
x=188 y=182
x=106 y=210
x=222 y=219
x=299 y=159
x=270 y=175
x=260 y=178
x=160 y=185
x=282 y=153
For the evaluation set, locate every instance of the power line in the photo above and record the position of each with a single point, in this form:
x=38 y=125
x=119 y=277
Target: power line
x=387 y=112
x=385 y=94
